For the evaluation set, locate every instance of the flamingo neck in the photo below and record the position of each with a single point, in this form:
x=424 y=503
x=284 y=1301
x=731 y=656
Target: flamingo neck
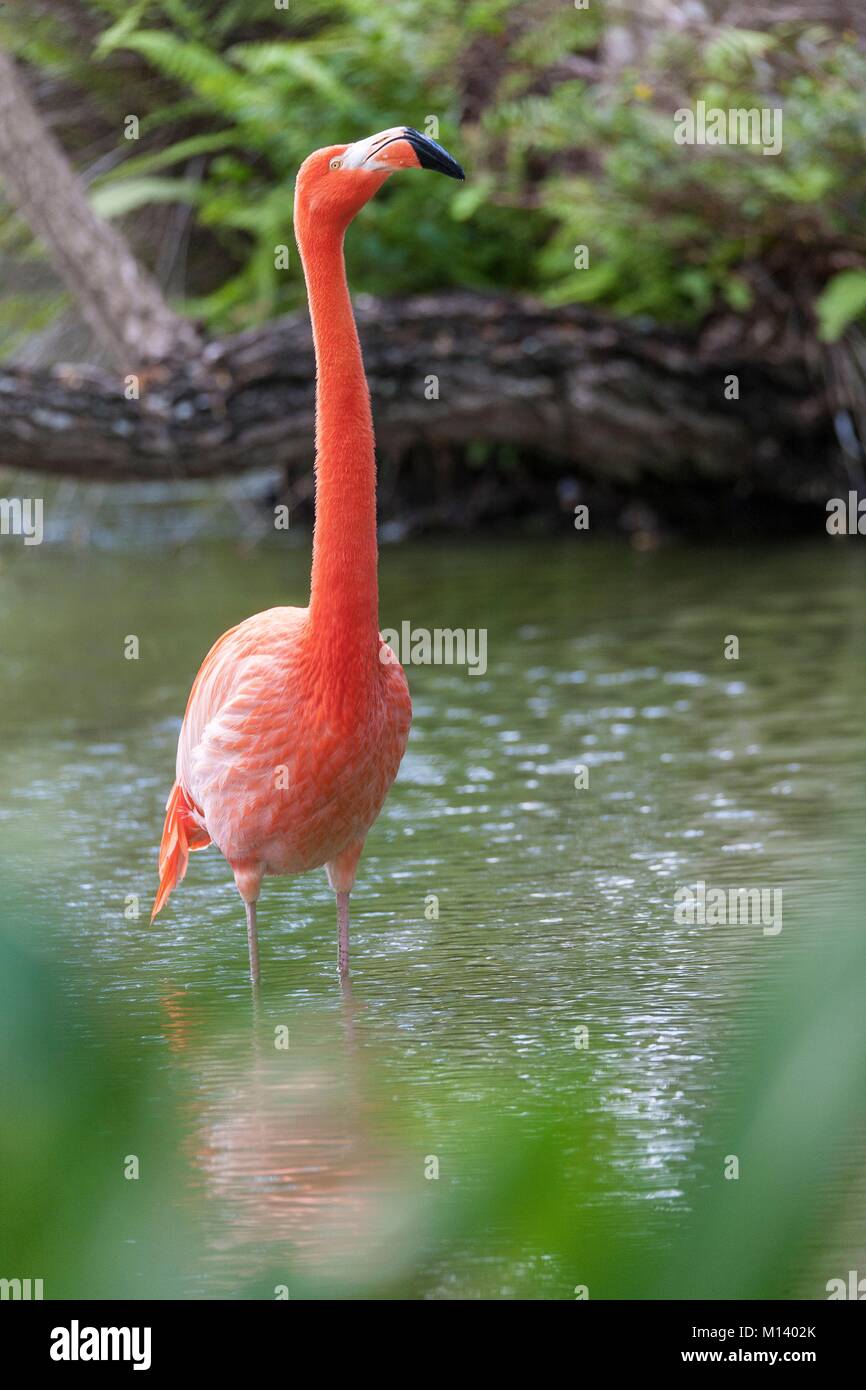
x=344 y=593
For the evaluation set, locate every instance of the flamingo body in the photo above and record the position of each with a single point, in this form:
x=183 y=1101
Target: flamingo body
x=273 y=769
x=298 y=718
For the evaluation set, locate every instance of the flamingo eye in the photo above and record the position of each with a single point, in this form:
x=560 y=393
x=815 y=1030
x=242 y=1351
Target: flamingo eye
x=335 y=164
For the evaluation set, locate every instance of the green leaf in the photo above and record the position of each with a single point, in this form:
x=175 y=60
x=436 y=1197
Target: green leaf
x=295 y=59
x=842 y=300
x=734 y=51
x=467 y=200
x=738 y=293
x=115 y=36
x=193 y=65
x=116 y=199
x=174 y=154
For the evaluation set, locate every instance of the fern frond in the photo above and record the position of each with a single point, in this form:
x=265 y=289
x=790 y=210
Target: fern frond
x=116 y=199
x=180 y=151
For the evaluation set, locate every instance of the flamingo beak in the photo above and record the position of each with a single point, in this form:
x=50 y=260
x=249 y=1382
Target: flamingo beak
x=401 y=147
x=431 y=155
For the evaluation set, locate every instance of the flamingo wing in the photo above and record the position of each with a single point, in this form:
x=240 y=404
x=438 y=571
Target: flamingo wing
x=226 y=693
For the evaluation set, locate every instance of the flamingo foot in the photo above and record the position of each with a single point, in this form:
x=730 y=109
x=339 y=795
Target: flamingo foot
x=343 y=928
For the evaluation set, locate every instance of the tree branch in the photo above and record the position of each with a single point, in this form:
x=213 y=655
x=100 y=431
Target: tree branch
x=609 y=399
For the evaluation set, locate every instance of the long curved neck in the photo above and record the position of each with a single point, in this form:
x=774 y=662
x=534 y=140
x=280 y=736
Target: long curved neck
x=344 y=595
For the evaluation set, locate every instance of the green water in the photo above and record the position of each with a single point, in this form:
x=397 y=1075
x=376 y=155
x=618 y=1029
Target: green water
x=311 y=1165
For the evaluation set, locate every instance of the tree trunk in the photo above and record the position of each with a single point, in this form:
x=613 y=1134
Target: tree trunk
x=118 y=299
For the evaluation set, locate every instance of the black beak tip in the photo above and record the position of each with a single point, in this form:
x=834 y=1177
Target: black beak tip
x=431 y=155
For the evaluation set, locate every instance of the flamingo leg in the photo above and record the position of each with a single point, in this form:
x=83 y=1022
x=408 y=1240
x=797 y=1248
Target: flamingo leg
x=343 y=929
x=253 y=942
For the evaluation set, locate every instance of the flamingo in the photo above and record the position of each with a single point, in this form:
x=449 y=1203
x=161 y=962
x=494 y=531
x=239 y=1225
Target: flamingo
x=298 y=719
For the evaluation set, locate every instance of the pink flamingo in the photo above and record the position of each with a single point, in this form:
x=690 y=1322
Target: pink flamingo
x=298 y=719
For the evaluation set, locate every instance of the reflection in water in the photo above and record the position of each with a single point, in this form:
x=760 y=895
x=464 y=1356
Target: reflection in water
x=500 y=905
x=289 y=1154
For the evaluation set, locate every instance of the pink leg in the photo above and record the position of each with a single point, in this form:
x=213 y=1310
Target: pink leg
x=253 y=942
x=341 y=876
x=248 y=877
x=343 y=925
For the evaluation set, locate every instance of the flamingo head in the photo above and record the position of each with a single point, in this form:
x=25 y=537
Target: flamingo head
x=335 y=183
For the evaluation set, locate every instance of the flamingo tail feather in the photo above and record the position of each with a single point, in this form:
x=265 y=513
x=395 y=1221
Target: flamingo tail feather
x=181 y=834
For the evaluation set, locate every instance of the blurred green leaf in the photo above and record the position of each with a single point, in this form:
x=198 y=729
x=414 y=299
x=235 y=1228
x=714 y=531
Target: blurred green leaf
x=840 y=303
x=117 y=198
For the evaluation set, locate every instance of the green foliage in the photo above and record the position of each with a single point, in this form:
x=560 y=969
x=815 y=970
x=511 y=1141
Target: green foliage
x=670 y=228
x=843 y=301
x=232 y=97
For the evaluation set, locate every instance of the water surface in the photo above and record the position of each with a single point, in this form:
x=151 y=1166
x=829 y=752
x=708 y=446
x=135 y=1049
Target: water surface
x=499 y=906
